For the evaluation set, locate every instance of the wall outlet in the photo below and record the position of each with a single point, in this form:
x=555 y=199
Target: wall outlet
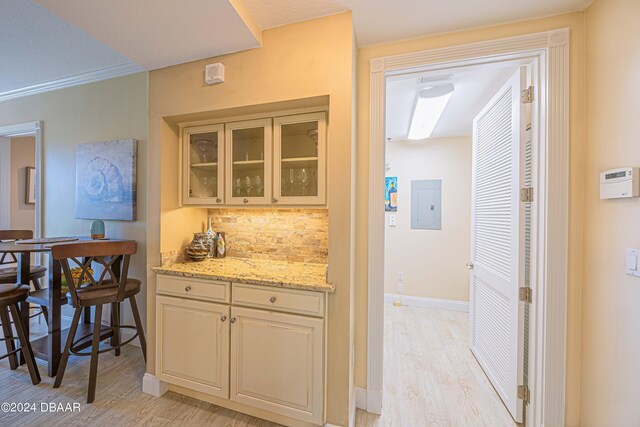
x=392 y=220
x=400 y=287
x=400 y=276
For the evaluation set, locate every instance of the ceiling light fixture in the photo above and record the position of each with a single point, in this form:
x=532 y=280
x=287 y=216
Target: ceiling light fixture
x=428 y=110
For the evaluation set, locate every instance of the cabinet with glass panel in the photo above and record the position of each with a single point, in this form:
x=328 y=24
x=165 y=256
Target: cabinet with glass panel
x=203 y=165
x=249 y=149
x=300 y=159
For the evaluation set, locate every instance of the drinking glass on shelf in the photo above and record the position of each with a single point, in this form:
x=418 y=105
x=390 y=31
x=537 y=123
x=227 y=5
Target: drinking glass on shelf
x=203 y=146
x=304 y=181
x=291 y=181
x=238 y=187
x=205 y=187
x=248 y=185
x=257 y=182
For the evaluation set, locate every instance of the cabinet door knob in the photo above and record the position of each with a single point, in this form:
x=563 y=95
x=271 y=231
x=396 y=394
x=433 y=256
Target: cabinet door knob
x=274 y=200
x=223 y=318
x=232 y=320
x=470 y=265
x=188 y=288
x=272 y=300
x=245 y=200
x=218 y=200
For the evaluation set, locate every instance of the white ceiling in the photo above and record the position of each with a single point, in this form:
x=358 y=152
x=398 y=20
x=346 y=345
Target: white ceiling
x=378 y=21
x=157 y=34
x=47 y=44
x=474 y=87
x=36 y=46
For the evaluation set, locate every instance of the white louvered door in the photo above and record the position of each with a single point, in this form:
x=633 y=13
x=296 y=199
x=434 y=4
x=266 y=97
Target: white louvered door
x=497 y=241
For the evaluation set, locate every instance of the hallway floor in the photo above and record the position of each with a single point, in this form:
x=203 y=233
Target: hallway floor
x=431 y=379
x=430 y=376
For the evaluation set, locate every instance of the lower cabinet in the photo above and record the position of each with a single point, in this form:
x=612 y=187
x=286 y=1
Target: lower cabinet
x=193 y=344
x=272 y=359
x=276 y=362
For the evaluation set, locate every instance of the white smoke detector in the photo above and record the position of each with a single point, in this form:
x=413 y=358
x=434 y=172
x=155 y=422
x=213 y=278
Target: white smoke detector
x=214 y=73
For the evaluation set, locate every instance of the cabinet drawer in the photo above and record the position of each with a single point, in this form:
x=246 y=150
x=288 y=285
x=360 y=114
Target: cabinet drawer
x=208 y=290
x=280 y=299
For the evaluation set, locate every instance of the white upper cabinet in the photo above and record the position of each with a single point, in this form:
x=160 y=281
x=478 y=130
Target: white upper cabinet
x=249 y=148
x=262 y=162
x=203 y=165
x=299 y=149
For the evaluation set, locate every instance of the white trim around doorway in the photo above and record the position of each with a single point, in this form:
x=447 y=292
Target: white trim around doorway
x=31 y=129
x=547 y=358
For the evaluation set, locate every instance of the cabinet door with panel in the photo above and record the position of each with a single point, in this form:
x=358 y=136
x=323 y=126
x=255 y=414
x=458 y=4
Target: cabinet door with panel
x=277 y=363
x=203 y=165
x=299 y=150
x=193 y=344
x=249 y=151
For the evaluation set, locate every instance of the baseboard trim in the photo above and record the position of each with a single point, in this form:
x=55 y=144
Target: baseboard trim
x=374 y=402
x=153 y=386
x=442 y=304
x=361 y=398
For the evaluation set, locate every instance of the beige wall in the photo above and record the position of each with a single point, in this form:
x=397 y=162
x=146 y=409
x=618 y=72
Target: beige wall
x=111 y=109
x=308 y=59
x=575 y=22
x=433 y=261
x=610 y=316
x=23 y=154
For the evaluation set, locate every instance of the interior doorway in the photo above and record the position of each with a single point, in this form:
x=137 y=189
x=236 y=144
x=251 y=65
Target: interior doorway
x=549 y=54
x=456 y=141
x=20 y=177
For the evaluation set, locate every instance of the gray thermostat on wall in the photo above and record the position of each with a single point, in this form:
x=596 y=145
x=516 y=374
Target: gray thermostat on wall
x=620 y=183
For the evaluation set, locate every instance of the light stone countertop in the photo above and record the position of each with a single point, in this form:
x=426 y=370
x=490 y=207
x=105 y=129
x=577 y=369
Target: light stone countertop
x=282 y=274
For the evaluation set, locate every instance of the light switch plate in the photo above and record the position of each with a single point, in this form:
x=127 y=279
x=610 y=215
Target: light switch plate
x=632 y=264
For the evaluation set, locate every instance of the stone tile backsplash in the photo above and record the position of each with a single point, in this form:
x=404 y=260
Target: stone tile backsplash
x=279 y=234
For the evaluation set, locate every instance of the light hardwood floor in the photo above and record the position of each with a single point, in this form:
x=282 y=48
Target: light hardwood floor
x=430 y=376
x=431 y=379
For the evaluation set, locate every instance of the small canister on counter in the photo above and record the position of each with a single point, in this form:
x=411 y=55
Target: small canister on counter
x=221 y=245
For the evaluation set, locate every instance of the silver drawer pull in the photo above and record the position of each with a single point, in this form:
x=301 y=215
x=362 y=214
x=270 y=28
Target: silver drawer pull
x=223 y=318
x=188 y=288
x=233 y=320
x=272 y=300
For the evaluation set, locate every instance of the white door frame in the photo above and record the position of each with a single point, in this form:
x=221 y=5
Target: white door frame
x=547 y=354
x=35 y=129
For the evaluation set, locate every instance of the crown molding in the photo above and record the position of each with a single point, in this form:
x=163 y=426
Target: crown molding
x=79 y=79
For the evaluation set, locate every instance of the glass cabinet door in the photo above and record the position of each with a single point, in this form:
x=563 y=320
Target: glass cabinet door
x=203 y=165
x=300 y=159
x=249 y=162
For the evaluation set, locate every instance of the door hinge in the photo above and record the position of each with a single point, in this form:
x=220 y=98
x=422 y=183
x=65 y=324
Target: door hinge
x=526 y=194
x=525 y=294
x=527 y=95
x=523 y=393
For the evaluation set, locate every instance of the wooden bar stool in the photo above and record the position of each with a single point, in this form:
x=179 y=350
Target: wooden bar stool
x=9 y=269
x=10 y=296
x=112 y=287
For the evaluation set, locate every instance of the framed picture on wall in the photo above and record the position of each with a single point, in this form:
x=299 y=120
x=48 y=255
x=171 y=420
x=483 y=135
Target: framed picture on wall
x=30 y=188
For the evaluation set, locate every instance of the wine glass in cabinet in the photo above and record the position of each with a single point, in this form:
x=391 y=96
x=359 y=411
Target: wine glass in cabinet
x=300 y=159
x=249 y=150
x=203 y=165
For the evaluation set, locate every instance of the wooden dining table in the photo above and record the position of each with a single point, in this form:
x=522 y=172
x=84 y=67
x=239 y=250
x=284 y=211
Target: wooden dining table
x=48 y=347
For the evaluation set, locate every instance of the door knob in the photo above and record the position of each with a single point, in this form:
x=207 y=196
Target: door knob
x=470 y=265
x=223 y=318
x=272 y=300
x=245 y=200
x=232 y=320
x=218 y=200
x=274 y=200
x=187 y=288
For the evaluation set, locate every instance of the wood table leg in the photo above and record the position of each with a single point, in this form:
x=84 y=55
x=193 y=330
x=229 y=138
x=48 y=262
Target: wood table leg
x=55 y=314
x=24 y=277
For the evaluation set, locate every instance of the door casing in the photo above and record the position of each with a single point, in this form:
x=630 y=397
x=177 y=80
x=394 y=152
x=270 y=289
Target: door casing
x=549 y=54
